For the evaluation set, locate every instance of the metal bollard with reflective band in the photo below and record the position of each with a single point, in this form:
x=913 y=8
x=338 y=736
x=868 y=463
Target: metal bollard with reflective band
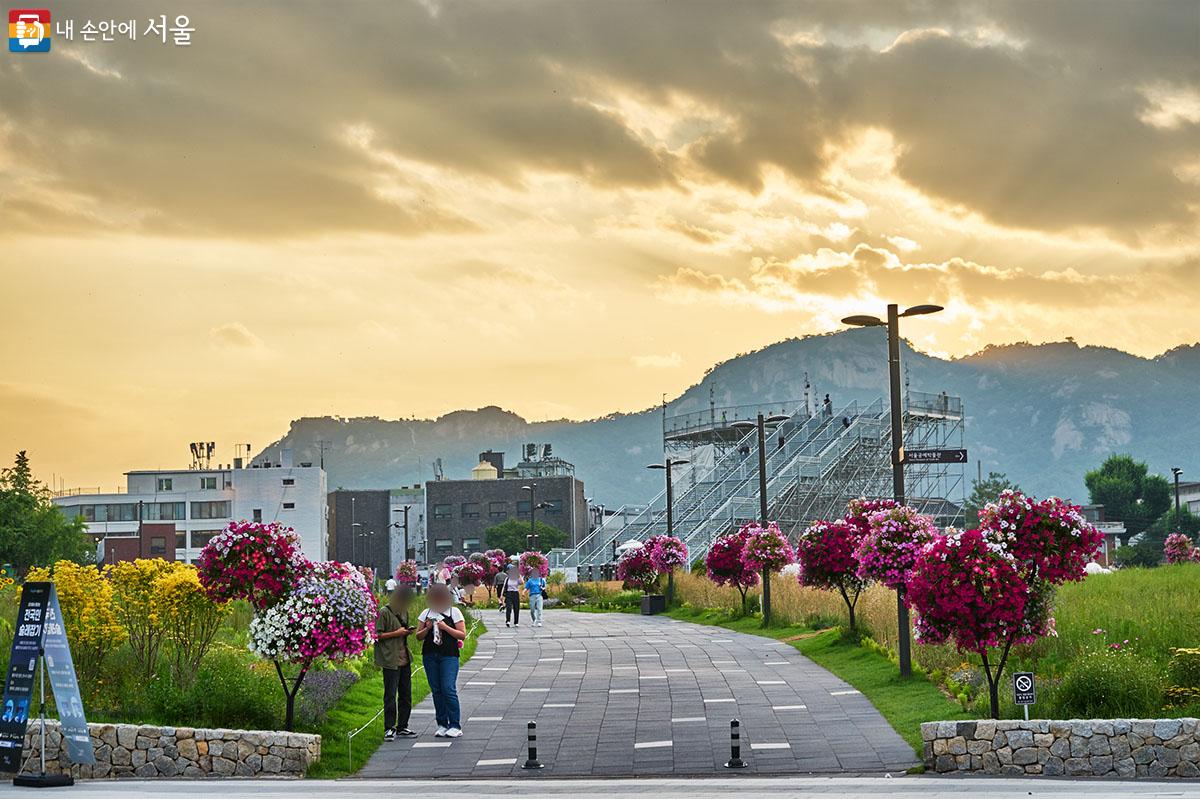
x=532 y=762
x=735 y=746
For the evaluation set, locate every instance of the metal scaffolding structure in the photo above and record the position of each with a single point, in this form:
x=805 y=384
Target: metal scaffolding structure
x=816 y=463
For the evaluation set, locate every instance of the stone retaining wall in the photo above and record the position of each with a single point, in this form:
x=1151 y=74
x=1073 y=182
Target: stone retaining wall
x=1099 y=748
x=131 y=750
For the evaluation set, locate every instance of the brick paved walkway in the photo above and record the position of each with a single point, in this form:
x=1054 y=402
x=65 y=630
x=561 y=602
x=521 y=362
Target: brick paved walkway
x=623 y=695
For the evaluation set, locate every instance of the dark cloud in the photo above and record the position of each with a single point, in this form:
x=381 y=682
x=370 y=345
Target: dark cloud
x=1034 y=125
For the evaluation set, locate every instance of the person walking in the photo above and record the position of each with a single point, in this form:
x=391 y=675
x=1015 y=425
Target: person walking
x=392 y=655
x=441 y=631
x=498 y=586
x=535 y=586
x=828 y=407
x=512 y=598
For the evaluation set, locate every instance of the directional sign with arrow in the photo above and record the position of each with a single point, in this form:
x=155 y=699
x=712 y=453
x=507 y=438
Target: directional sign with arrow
x=933 y=456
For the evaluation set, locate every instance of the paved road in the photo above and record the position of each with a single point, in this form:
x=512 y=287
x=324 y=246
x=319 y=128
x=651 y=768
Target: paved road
x=737 y=787
x=627 y=695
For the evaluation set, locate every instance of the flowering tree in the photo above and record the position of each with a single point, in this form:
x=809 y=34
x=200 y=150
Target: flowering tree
x=892 y=540
x=531 y=562
x=825 y=552
x=452 y=562
x=486 y=568
x=470 y=574
x=990 y=589
x=858 y=511
x=667 y=553
x=330 y=613
x=252 y=561
x=636 y=569
x=1178 y=549
x=407 y=572
x=725 y=567
x=766 y=550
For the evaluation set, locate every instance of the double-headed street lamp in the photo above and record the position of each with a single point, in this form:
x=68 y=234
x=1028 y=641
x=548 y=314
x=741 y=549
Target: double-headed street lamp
x=1175 y=470
x=761 y=424
x=667 y=466
x=531 y=540
x=893 y=330
x=404 y=526
x=354 y=533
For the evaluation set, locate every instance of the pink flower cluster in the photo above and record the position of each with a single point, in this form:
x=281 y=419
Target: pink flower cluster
x=1050 y=536
x=452 y=562
x=858 y=511
x=667 y=553
x=1178 y=548
x=499 y=559
x=966 y=590
x=636 y=569
x=470 y=573
x=894 y=537
x=407 y=572
x=825 y=552
x=724 y=562
x=330 y=614
x=253 y=561
x=766 y=549
x=533 y=562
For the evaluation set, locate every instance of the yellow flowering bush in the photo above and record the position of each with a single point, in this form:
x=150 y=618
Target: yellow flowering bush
x=136 y=605
x=89 y=614
x=188 y=619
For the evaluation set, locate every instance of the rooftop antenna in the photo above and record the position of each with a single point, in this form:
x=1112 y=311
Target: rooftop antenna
x=322 y=446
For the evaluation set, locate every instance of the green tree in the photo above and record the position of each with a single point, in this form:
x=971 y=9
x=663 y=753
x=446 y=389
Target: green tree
x=1171 y=522
x=33 y=531
x=510 y=536
x=1144 y=553
x=1128 y=494
x=982 y=492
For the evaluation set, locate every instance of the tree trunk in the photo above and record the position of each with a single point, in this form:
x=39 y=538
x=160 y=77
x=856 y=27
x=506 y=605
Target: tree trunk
x=290 y=693
x=670 y=588
x=766 y=598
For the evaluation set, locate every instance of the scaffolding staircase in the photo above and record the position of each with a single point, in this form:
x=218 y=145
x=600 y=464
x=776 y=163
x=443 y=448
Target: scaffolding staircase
x=815 y=465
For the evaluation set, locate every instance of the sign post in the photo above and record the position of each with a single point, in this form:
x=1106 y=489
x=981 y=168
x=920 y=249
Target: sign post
x=40 y=637
x=1024 y=690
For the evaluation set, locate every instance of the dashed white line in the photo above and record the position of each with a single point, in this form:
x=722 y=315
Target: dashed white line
x=559 y=704
x=789 y=707
x=423 y=711
x=549 y=660
x=535 y=690
x=653 y=677
x=484 y=718
x=714 y=701
x=622 y=690
x=502 y=761
x=688 y=719
x=646 y=655
x=570 y=673
x=615 y=668
x=574 y=651
x=843 y=693
x=655 y=641
x=780 y=745
x=653 y=744
x=479 y=684
x=678 y=671
x=772 y=682
x=494 y=668
x=431 y=745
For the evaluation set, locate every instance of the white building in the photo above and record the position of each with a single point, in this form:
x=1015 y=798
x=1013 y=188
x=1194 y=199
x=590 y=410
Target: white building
x=201 y=502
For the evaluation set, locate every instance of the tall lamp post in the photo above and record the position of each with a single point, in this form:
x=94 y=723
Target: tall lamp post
x=404 y=526
x=531 y=540
x=893 y=332
x=761 y=424
x=667 y=465
x=1175 y=470
x=354 y=533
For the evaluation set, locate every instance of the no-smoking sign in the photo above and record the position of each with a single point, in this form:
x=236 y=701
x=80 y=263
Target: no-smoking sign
x=1024 y=689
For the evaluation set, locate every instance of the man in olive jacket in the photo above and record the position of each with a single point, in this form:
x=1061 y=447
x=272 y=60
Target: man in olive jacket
x=392 y=655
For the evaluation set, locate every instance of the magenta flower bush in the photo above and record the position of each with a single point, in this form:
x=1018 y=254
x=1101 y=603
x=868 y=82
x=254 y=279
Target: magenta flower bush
x=1050 y=536
x=825 y=552
x=452 y=562
x=533 y=563
x=1178 y=548
x=499 y=559
x=667 y=553
x=893 y=538
x=858 y=511
x=766 y=549
x=636 y=569
x=407 y=572
x=253 y=561
x=470 y=573
x=724 y=564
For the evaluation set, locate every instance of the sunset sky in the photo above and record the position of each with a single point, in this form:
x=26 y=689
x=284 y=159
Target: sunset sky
x=566 y=209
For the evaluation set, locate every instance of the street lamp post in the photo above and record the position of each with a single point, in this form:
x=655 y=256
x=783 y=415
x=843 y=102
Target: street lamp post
x=404 y=526
x=354 y=533
x=1175 y=470
x=667 y=465
x=893 y=331
x=761 y=424
x=531 y=540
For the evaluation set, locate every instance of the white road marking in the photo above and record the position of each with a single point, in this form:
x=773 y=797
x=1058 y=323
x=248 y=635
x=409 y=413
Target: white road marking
x=431 y=745
x=494 y=668
x=780 y=745
x=559 y=704
x=714 y=701
x=574 y=651
x=622 y=690
x=570 y=673
x=484 y=718
x=732 y=671
x=688 y=719
x=646 y=655
x=653 y=744
x=549 y=660
x=423 y=711
x=843 y=693
x=721 y=640
x=614 y=668
x=789 y=707
x=772 y=682
x=535 y=690
x=475 y=683
x=503 y=761
x=653 y=677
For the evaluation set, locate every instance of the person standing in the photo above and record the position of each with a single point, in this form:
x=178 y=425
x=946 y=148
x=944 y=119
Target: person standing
x=498 y=586
x=392 y=655
x=512 y=598
x=536 y=587
x=441 y=631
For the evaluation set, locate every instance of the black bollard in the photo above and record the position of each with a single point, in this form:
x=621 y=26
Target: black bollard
x=735 y=746
x=532 y=762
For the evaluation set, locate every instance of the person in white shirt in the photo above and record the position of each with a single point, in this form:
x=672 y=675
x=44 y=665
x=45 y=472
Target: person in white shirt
x=512 y=598
x=441 y=629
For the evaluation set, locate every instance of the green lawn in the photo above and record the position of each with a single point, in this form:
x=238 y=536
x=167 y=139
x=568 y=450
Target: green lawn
x=904 y=702
x=361 y=702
